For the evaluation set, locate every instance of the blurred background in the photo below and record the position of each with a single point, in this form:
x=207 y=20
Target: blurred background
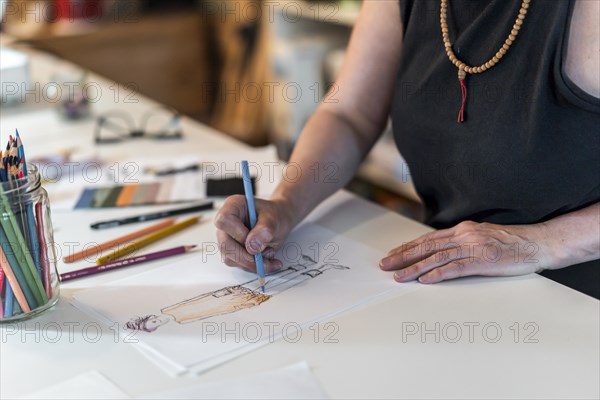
x=253 y=69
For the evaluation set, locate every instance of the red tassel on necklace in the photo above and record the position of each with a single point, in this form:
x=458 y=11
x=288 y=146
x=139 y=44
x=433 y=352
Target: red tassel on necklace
x=462 y=75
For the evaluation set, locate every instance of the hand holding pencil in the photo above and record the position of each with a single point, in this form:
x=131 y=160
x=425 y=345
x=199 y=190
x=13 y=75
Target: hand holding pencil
x=239 y=244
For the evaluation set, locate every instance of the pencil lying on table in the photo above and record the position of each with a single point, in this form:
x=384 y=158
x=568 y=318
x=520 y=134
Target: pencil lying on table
x=126 y=262
x=152 y=216
x=118 y=241
x=135 y=246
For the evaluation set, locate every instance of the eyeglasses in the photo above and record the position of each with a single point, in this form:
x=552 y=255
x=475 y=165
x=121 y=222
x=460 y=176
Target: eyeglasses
x=161 y=123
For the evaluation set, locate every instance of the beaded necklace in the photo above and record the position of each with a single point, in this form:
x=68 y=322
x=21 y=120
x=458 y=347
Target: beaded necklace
x=464 y=69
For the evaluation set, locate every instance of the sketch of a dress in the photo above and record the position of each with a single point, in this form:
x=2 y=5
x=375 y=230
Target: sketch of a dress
x=233 y=298
x=223 y=301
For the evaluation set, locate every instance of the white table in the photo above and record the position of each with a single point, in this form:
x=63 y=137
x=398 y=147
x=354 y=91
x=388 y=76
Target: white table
x=375 y=356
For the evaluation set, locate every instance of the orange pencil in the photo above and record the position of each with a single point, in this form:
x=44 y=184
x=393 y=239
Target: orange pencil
x=135 y=246
x=118 y=241
x=14 y=284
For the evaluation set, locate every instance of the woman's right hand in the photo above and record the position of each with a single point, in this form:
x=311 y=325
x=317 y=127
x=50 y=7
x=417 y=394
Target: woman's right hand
x=238 y=244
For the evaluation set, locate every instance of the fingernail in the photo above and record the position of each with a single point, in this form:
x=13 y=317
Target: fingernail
x=269 y=253
x=382 y=264
x=274 y=265
x=399 y=276
x=255 y=245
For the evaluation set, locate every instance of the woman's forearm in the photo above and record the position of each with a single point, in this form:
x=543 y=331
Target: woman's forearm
x=574 y=237
x=339 y=135
x=324 y=160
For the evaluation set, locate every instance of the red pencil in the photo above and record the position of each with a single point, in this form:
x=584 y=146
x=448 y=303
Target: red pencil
x=1 y=279
x=1 y=286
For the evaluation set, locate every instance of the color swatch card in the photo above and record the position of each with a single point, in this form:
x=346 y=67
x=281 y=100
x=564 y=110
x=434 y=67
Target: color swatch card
x=179 y=315
x=167 y=190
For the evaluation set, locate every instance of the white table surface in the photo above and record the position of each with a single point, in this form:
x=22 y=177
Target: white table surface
x=371 y=358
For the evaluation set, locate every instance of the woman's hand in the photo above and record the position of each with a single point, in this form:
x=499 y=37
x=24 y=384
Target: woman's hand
x=472 y=248
x=238 y=244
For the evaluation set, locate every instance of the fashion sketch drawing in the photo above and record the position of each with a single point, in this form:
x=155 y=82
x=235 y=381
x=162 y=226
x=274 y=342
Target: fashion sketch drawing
x=233 y=298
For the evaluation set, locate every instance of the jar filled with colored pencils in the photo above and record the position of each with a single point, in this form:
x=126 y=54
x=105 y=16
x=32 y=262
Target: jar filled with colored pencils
x=29 y=282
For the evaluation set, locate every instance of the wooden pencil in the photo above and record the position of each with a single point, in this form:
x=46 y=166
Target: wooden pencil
x=1 y=281
x=133 y=247
x=8 y=293
x=94 y=250
x=43 y=249
x=126 y=262
x=30 y=222
x=14 y=284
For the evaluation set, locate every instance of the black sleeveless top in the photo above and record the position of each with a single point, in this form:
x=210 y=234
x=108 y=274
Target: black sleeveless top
x=529 y=149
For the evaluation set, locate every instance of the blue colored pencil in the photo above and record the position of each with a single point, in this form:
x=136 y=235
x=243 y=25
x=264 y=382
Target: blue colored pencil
x=258 y=260
x=8 y=302
x=32 y=231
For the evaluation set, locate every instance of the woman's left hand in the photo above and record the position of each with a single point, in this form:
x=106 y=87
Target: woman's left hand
x=471 y=248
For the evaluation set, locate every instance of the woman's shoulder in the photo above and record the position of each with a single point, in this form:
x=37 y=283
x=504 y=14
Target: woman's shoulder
x=582 y=63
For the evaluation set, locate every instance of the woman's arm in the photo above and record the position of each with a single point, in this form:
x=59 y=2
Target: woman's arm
x=331 y=146
x=472 y=248
x=582 y=64
x=574 y=237
x=347 y=124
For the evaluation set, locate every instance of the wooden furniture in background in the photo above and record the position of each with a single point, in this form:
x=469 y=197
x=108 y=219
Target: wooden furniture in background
x=241 y=101
x=165 y=57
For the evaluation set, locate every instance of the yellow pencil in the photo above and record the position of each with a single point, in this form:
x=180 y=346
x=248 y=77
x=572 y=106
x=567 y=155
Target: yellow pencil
x=130 y=248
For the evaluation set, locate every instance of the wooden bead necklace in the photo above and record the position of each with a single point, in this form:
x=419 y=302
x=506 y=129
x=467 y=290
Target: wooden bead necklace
x=464 y=69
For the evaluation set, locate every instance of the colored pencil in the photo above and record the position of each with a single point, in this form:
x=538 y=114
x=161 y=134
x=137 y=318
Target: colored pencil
x=2 y=282
x=31 y=227
x=17 y=309
x=9 y=301
x=126 y=262
x=43 y=249
x=13 y=285
x=258 y=260
x=118 y=241
x=8 y=294
x=3 y=173
x=132 y=247
x=152 y=216
x=1 y=278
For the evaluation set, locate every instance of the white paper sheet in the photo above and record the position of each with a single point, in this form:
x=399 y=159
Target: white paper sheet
x=89 y=385
x=293 y=382
x=196 y=314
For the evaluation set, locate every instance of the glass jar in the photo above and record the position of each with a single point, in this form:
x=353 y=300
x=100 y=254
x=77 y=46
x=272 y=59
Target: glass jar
x=28 y=277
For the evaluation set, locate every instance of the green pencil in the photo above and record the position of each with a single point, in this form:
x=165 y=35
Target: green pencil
x=17 y=271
